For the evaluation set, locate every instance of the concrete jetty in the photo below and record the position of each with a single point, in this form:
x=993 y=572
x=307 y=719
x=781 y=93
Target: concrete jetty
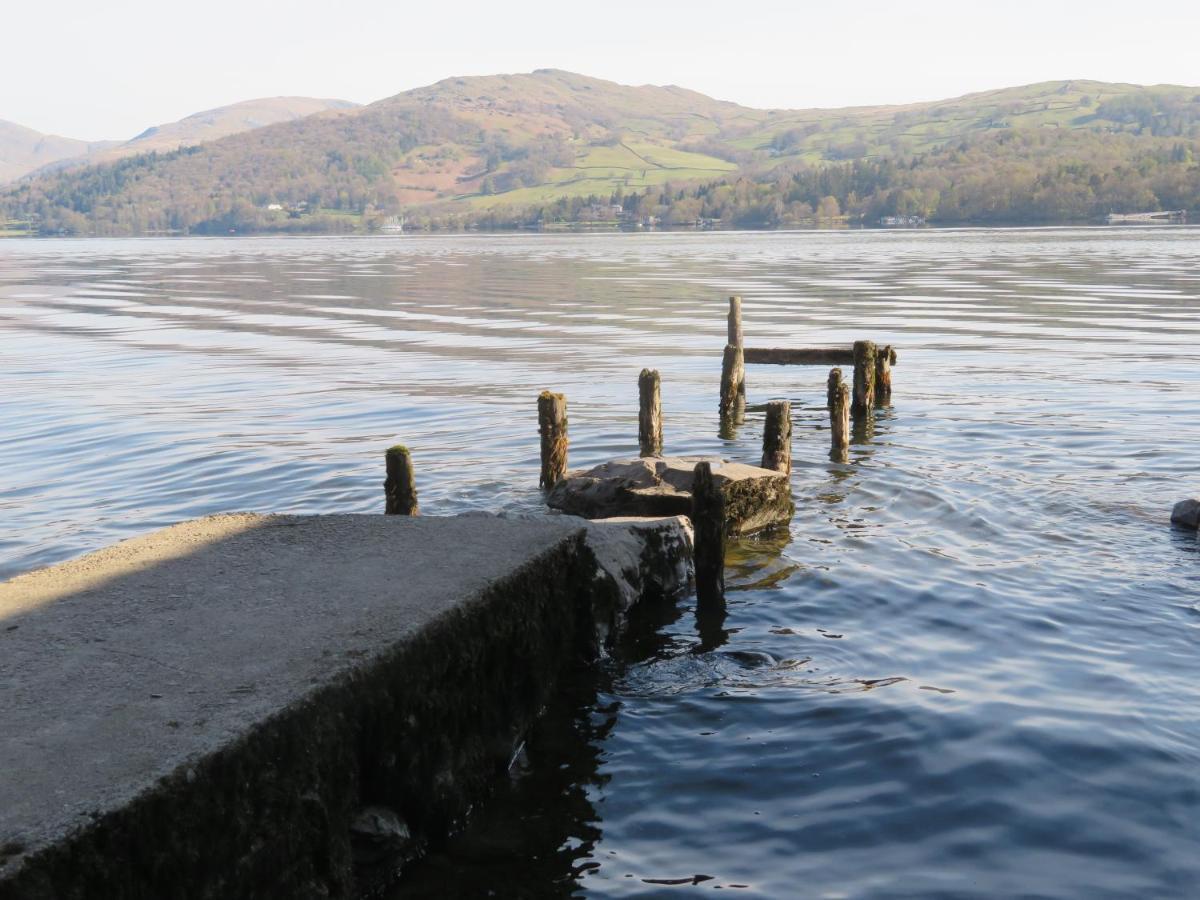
x=216 y=709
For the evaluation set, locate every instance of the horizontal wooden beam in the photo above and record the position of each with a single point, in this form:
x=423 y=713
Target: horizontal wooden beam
x=806 y=356
x=800 y=356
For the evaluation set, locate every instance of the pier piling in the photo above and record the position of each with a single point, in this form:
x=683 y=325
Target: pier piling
x=399 y=488
x=650 y=426
x=777 y=437
x=552 y=426
x=735 y=337
x=708 y=522
x=838 y=397
x=865 y=355
x=733 y=379
x=884 y=360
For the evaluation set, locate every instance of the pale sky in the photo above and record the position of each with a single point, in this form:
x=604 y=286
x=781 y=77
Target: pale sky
x=97 y=70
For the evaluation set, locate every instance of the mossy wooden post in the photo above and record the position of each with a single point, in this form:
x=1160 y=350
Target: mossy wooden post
x=552 y=426
x=777 y=437
x=650 y=426
x=838 y=397
x=864 y=379
x=884 y=360
x=400 y=490
x=708 y=521
x=733 y=379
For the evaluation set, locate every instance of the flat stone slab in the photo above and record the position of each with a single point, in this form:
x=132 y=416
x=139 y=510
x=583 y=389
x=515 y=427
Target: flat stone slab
x=1186 y=513
x=755 y=498
x=126 y=673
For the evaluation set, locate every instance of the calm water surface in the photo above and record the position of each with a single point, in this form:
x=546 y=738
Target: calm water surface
x=971 y=666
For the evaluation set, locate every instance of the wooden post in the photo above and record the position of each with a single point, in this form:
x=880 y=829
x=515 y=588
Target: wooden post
x=650 y=426
x=735 y=322
x=838 y=397
x=883 y=374
x=708 y=521
x=733 y=378
x=737 y=339
x=400 y=490
x=552 y=426
x=864 y=379
x=777 y=437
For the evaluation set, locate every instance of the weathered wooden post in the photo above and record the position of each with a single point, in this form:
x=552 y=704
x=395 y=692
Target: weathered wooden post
x=735 y=323
x=399 y=489
x=737 y=339
x=864 y=379
x=708 y=522
x=838 y=397
x=552 y=426
x=650 y=426
x=884 y=361
x=777 y=437
x=733 y=378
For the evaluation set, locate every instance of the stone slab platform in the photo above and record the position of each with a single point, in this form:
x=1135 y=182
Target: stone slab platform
x=755 y=498
x=201 y=711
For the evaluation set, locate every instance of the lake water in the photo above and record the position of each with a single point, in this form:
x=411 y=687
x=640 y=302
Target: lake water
x=970 y=668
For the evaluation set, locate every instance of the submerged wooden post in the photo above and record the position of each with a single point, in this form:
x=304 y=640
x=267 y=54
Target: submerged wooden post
x=708 y=521
x=884 y=360
x=838 y=397
x=399 y=489
x=733 y=378
x=552 y=426
x=864 y=379
x=650 y=426
x=777 y=437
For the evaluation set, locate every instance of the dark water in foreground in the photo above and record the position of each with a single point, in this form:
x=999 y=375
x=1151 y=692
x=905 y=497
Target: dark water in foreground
x=971 y=668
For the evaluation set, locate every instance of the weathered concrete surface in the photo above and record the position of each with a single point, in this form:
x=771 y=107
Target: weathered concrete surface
x=755 y=498
x=1186 y=513
x=638 y=559
x=208 y=710
x=643 y=559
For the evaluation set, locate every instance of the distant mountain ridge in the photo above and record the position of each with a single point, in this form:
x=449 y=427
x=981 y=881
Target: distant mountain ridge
x=24 y=151
x=555 y=147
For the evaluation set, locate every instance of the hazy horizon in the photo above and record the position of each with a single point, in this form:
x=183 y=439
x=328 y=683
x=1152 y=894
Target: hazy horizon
x=123 y=68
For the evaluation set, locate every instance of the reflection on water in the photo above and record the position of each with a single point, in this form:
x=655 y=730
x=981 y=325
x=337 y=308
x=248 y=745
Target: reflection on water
x=969 y=667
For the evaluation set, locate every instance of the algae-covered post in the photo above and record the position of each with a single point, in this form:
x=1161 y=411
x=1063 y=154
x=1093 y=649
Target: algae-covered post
x=552 y=426
x=777 y=437
x=650 y=426
x=733 y=379
x=838 y=397
x=400 y=489
x=864 y=379
x=884 y=360
x=708 y=521
x=735 y=323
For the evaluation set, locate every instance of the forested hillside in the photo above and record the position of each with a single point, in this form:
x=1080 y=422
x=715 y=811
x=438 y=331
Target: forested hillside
x=552 y=148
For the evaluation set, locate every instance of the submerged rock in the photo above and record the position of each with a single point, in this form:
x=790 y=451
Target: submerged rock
x=378 y=833
x=1186 y=513
x=755 y=498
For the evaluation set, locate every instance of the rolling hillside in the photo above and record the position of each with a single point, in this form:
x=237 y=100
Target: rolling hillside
x=202 y=127
x=22 y=150
x=554 y=146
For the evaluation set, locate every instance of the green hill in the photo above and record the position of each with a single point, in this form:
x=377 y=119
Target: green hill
x=552 y=146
